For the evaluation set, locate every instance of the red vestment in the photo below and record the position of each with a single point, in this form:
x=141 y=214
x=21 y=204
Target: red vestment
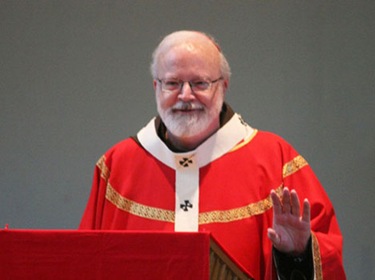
x=134 y=190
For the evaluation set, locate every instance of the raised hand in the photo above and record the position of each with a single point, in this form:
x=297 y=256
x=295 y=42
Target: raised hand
x=291 y=231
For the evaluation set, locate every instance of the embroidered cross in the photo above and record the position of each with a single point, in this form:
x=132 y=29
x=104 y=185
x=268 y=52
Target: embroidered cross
x=186 y=205
x=185 y=162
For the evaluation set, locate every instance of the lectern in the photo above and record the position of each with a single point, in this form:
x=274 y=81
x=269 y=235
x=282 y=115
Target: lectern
x=76 y=254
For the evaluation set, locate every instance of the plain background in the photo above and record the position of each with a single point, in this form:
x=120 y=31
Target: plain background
x=75 y=80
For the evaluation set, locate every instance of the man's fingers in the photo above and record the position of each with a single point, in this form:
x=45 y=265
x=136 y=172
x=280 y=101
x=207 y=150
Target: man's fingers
x=290 y=203
x=273 y=236
x=306 y=211
x=286 y=207
x=295 y=203
x=277 y=208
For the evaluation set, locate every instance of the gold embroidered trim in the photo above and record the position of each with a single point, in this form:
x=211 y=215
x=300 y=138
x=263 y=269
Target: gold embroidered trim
x=159 y=214
x=254 y=208
x=240 y=213
x=138 y=209
x=241 y=144
x=104 y=171
x=294 y=165
x=218 y=216
x=317 y=258
x=288 y=169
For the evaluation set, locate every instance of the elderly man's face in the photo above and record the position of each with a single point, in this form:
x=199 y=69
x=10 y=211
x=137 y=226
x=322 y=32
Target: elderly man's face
x=187 y=113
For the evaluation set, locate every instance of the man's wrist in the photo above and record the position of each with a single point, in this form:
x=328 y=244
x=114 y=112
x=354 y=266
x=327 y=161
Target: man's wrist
x=290 y=265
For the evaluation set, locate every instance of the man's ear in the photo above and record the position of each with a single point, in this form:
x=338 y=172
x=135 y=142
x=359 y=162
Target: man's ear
x=226 y=85
x=154 y=83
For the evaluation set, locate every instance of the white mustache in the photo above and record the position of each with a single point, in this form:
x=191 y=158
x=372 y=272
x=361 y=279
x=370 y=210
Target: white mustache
x=187 y=106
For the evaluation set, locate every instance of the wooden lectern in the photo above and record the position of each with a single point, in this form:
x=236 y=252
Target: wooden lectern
x=76 y=254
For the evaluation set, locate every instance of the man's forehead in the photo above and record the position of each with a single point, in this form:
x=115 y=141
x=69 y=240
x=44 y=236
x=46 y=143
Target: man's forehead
x=189 y=57
x=189 y=39
x=187 y=52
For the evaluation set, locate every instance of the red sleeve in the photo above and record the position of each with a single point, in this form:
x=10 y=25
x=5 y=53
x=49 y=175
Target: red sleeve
x=327 y=239
x=92 y=215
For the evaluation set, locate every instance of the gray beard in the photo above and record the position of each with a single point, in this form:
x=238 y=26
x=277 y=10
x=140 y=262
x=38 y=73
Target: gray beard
x=186 y=125
x=192 y=124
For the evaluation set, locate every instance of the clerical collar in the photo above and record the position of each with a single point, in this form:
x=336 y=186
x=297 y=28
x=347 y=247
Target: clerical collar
x=187 y=165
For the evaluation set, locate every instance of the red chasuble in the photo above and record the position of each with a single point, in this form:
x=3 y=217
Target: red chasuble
x=134 y=188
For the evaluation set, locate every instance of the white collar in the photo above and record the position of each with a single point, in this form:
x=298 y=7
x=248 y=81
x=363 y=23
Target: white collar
x=214 y=147
x=187 y=165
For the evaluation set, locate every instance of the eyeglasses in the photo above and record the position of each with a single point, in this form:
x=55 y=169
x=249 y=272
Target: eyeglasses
x=197 y=86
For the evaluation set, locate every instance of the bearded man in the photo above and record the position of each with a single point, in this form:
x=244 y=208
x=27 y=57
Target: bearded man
x=198 y=166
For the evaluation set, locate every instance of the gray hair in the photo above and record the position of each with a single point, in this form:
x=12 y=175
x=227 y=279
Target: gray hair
x=172 y=38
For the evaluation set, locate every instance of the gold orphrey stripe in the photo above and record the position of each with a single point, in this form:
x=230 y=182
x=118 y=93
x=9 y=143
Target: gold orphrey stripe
x=218 y=216
x=318 y=270
x=247 y=211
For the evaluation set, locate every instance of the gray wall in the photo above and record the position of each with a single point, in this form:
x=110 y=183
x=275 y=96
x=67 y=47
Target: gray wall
x=74 y=81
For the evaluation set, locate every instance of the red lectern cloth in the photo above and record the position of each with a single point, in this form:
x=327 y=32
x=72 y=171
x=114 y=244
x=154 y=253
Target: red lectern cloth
x=72 y=254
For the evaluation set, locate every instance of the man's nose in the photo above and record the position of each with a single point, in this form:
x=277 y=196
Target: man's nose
x=186 y=93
